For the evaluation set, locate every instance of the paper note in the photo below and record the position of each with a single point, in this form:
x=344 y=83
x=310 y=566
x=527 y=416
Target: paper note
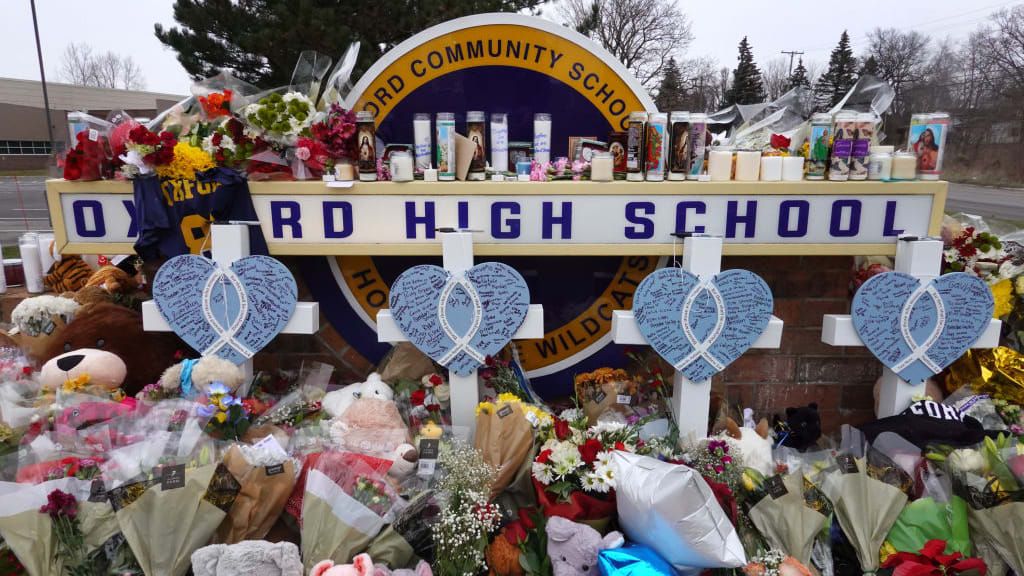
x=917 y=329
x=459 y=321
x=702 y=328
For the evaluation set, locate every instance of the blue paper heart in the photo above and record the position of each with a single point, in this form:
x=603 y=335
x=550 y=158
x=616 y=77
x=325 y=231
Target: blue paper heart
x=884 y=319
x=435 y=312
x=232 y=315
x=726 y=317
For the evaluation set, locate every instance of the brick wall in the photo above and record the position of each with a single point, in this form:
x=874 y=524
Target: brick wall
x=803 y=370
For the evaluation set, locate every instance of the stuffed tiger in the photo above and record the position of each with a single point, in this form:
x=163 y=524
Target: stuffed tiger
x=69 y=274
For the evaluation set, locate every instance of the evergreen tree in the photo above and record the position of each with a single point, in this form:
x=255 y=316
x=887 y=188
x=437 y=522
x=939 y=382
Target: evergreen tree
x=260 y=40
x=747 y=87
x=870 y=66
x=590 y=21
x=671 y=95
x=840 y=76
x=799 y=76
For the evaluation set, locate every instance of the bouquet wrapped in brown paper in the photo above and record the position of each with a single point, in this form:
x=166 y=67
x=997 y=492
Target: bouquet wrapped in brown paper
x=266 y=475
x=504 y=437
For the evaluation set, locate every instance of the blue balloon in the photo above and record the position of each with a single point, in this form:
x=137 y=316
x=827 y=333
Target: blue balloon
x=632 y=560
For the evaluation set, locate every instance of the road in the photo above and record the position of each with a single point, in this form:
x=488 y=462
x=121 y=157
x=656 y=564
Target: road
x=23 y=204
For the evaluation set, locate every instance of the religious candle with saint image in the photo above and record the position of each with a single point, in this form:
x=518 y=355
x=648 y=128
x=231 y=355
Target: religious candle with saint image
x=445 y=146
x=475 y=132
x=366 y=145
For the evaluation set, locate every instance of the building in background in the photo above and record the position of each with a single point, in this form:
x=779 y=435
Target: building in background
x=23 y=137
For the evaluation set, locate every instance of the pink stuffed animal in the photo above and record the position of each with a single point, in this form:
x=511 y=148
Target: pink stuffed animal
x=361 y=565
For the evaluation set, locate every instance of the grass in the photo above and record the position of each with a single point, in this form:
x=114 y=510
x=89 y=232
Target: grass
x=40 y=172
x=11 y=252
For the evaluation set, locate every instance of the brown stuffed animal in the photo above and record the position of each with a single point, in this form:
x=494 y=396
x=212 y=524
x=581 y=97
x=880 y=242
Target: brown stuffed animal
x=118 y=330
x=113 y=280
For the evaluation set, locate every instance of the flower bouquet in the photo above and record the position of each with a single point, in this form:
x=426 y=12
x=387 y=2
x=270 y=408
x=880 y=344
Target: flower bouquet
x=937 y=514
x=144 y=150
x=280 y=118
x=779 y=511
x=990 y=478
x=932 y=561
x=425 y=400
x=31 y=531
x=775 y=563
x=504 y=436
x=266 y=476
x=347 y=504
x=572 y=472
x=89 y=158
x=467 y=517
x=865 y=505
x=604 y=390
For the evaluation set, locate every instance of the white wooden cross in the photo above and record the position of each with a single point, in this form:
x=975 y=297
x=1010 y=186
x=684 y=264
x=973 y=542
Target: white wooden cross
x=702 y=256
x=921 y=259
x=230 y=242
x=457 y=256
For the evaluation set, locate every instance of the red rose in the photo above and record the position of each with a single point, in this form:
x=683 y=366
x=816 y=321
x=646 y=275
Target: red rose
x=590 y=449
x=417 y=397
x=544 y=456
x=620 y=446
x=515 y=533
x=779 y=141
x=525 y=519
x=435 y=380
x=433 y=407
x=562 y=430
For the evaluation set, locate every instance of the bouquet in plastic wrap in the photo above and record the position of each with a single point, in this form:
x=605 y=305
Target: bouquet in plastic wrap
x=504 y=436
x=778 y=508
x=170 y=492
x=90 y=155
x=866 y=491
x=990 y=477
x=346 y=506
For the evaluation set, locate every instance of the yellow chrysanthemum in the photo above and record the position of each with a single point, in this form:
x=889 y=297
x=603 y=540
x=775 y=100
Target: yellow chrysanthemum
x=76 y=384
x=1002 y=292
x=540 y=419
x=887 y=550
x=484 y=408
x=508 y=397
x=221 y=417
x=188 y=160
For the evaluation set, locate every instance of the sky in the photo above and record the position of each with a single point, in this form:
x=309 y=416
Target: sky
x=771 y=27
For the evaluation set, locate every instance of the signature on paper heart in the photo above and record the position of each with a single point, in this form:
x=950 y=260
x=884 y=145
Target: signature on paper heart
x=459 y=320
x=700 y=328
x=918 y=328
x=232 y=313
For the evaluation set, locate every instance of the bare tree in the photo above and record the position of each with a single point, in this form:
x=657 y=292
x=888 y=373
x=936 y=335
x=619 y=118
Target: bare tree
x=80 y=65
x=700 y=84
x=775 y=77
x=642 y=34
x=902 y=57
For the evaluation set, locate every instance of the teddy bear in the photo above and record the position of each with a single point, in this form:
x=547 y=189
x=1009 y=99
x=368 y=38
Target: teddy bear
x=362 y=565
x=755 y=444
x=368 y=422
x=116 y=329
x=113 y=280
x=336 y=402
x=573 y=547
x=37 y=322
x=194 y=376
x=84 y=370
x=801 y=429
x=249 y=557
x=68 y=273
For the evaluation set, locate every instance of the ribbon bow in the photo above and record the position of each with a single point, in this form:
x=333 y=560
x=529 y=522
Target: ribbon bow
x=920 y=351
x=225 y=334
x=461 y=342
x=701 y=348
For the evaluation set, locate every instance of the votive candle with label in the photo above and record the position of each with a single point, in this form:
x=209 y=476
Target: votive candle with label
x=542 y=138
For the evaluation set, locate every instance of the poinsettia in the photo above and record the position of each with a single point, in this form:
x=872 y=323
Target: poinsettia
x=931 y=561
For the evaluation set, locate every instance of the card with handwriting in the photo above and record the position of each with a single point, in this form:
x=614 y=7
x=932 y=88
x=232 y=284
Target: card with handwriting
x=700 y=328
x=459 y=320
x=918 y=328
x=231 y=313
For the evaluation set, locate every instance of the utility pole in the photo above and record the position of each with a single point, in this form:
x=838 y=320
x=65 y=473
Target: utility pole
x=791 y=53
x=42 y=76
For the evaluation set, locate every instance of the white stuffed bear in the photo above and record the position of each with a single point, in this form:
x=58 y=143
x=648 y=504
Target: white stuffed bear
x=190 y=377
x=335 y=403
x=754 y=443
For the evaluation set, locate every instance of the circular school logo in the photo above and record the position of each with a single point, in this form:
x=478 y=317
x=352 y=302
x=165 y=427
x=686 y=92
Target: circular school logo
x=518 y=65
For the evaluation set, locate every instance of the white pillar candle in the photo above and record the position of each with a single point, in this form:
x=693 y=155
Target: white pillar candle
x=28 y=244
x=748 y=165
x=793 y=168
x=3 y=272
x=499 y=142
x=542 y=138
x=430 y=175
x=904 y=166
x=720 y=164
x=345 y=172
x=401 y=166
x=421 y=139
x=45 y=254
x=771 y=168
x=601 y=166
